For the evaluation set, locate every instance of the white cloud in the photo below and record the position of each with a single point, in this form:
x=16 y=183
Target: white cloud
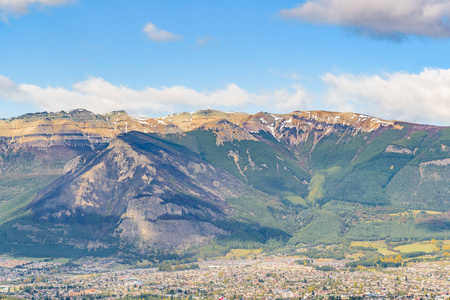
x=8 y=88
x=100 y=96
x=385 y=18
x=423 y=97
x=159 y=35
x=22 y=6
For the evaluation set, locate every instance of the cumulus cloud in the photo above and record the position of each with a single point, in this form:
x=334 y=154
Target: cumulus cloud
x=159 y=35
x=380 y=18
x=99 y=95
x=423 y=97
x=22 y=6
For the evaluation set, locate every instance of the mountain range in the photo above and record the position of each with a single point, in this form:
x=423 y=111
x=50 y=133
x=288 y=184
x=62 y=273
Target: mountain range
x=80 y=183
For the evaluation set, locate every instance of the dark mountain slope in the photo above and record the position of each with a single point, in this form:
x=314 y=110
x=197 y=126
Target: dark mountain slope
x=158 y=196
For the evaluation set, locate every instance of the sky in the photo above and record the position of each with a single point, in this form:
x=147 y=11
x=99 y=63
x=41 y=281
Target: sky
x=384 y=58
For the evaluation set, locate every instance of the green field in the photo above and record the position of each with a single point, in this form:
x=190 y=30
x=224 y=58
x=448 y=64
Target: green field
x=416 y=212
x=240 y=253
x=426 y=246
x=379 y=245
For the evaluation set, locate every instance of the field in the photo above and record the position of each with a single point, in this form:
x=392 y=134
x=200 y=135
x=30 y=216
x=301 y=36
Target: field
x=379 y=245
x=240 y=253
x=416 y=212
x=426 y=246
x=62 y=260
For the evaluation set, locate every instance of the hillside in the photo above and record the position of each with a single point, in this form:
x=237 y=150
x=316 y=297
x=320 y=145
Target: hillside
x=82 y=183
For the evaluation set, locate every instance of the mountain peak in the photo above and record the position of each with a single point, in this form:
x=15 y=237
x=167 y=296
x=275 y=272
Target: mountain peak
x=191 y=121
x=80 y=110
x=359 y=122
x=227 y=131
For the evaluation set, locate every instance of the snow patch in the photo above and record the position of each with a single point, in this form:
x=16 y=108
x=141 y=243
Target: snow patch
x=276 y=118
x=143 y=122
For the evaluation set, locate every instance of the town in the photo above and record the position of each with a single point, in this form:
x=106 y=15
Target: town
x=255 y=277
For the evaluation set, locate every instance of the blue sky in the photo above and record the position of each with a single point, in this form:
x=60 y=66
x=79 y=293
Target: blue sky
x=275 y=56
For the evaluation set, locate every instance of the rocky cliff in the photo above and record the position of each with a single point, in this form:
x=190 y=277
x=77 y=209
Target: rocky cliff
x=83 y=128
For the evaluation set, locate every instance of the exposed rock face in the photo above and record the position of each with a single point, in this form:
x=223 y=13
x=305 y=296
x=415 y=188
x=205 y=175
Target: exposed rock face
x=226 y=131
x=394 y=149
x=295 y=128
x=191 y=121
x=145 y=232
x=84 y=128
x=75 y=128
x=122 y=122
x=161 y=197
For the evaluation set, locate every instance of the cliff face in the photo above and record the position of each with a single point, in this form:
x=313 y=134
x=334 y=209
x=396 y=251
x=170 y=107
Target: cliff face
x=191 y=121
x=79 y=128
x=122 y=122
x=75 y=128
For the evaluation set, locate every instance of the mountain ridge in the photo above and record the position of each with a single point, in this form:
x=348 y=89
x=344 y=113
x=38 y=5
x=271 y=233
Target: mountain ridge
x=82 y=126
x=116 y=183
